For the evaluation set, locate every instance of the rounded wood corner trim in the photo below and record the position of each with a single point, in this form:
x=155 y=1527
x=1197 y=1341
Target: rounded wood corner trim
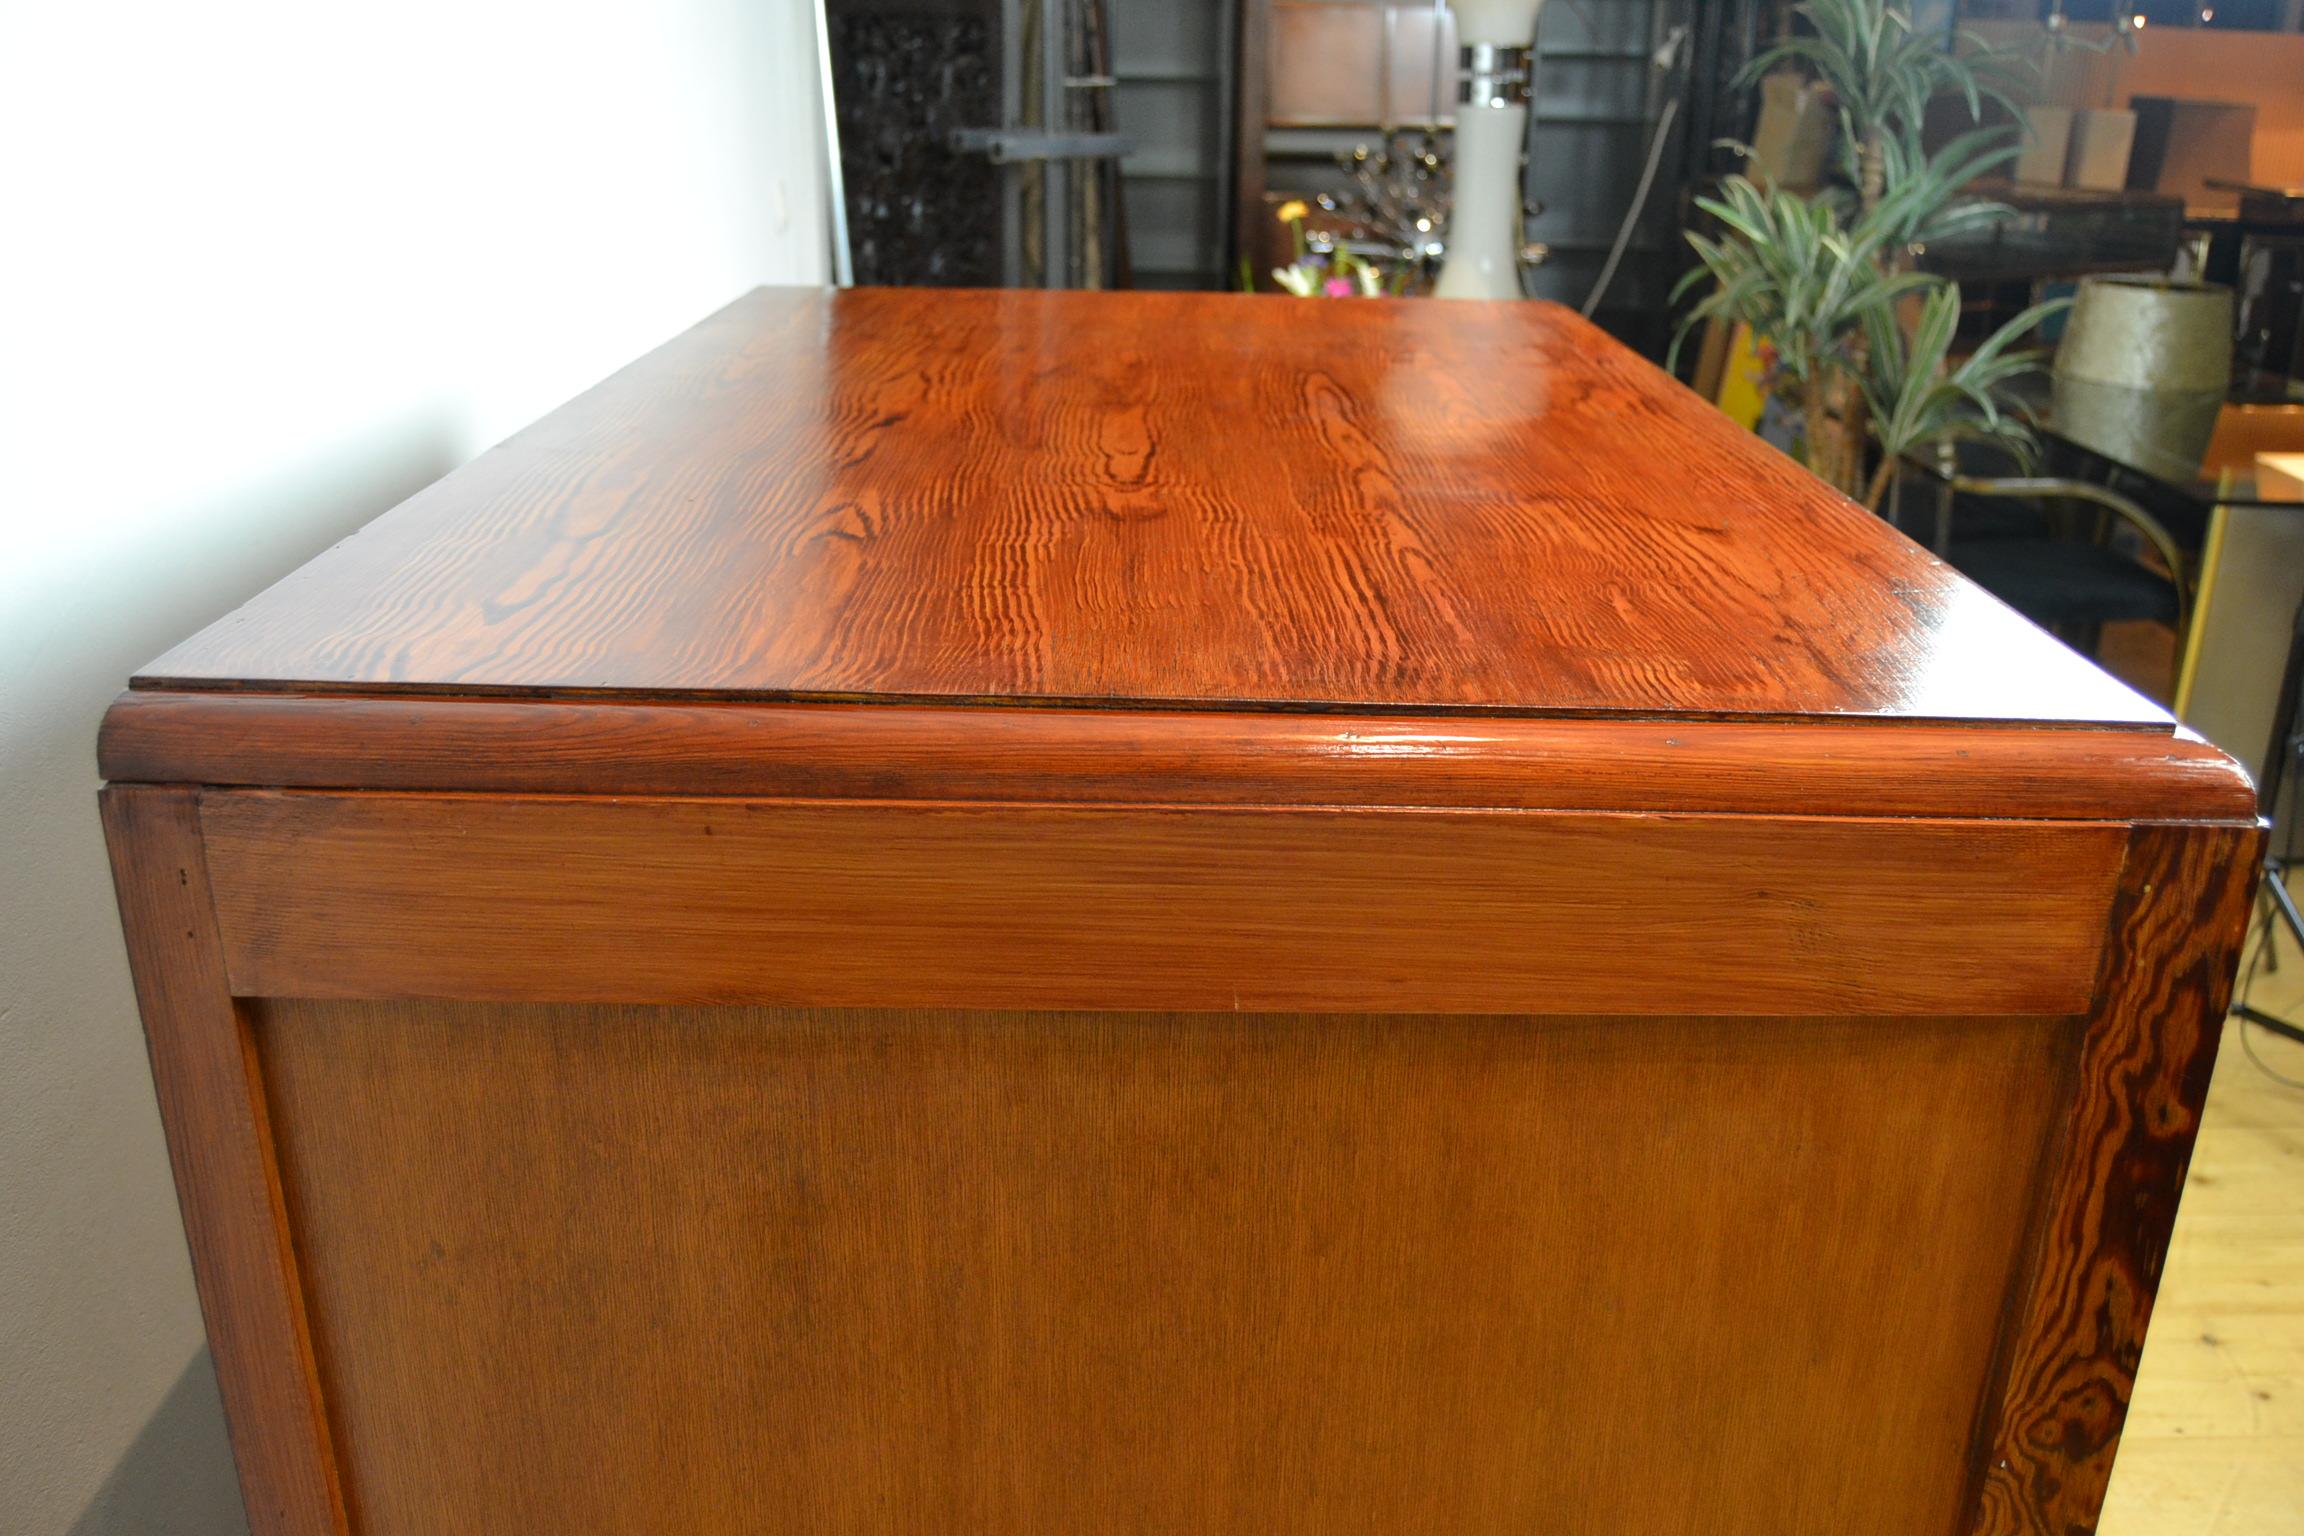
x=950 y=752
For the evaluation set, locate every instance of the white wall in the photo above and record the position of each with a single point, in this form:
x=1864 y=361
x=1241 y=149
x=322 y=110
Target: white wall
x=265 y=269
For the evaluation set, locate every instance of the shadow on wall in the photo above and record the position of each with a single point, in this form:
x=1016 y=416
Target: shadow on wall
x=177 y=1475
x=100 y=1314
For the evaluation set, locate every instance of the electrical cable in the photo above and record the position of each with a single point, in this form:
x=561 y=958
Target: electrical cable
x=2264 y=942
x=1666 y=57
x=1632 y=214
x=2248 y=1049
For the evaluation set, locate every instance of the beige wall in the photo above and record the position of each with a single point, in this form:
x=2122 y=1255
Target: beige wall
x=267 y=268
x=2261 y=67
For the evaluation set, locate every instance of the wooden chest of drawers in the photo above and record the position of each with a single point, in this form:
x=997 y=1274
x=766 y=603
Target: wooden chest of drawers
x=1021 y=912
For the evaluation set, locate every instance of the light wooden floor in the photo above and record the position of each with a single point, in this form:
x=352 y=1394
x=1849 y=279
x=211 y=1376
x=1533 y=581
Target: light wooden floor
x=2215 y=1440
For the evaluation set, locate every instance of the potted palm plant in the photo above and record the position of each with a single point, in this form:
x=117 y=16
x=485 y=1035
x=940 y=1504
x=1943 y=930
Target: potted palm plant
x=1862 y=340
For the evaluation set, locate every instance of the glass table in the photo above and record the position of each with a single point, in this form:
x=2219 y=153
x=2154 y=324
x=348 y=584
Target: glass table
x=2224 y=534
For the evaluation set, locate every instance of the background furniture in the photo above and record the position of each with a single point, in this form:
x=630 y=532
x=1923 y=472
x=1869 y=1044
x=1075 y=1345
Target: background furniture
x=959 y=119
x=2193 y=149
x=1036 y=911
x=2260 y=252
x=2093 y=546
x=2281 y=750
x=2251 y=579
x=2046 y=546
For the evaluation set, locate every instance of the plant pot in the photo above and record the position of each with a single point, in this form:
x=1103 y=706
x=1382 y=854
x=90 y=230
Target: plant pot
x=2144 y=369
x=1798 y=123
x=2047 y=147
x=2101 y=141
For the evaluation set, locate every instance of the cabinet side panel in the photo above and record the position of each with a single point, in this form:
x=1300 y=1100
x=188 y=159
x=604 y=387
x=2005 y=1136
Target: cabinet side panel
x=621 y=1268
x=2141 y=1077
x=811 y=904
x=219 y=1142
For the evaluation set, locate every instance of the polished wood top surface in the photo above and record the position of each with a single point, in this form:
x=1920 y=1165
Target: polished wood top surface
x=1136 y=500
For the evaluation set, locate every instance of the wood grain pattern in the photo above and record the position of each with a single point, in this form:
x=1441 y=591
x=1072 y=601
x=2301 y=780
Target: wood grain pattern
x=855 y=751
x=831 y=904
x=2141 y=1076
x=220 y=1144
x=705 y=1270
x=1189 y=499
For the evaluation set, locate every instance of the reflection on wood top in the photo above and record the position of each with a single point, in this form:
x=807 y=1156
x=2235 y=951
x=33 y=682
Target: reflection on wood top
x=1149 y=499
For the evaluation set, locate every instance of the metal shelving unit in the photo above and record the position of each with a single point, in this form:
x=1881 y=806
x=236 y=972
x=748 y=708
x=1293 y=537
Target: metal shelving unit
x=1173 y=68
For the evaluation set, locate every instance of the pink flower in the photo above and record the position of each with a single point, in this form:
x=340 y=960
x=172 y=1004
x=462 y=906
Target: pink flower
x=1337 y=288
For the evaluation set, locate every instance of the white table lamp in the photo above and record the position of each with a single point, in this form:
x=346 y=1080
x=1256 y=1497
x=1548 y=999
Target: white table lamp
x=1496 y=39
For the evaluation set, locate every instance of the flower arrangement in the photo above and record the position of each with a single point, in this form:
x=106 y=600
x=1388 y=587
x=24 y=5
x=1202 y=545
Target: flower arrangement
x=1326 y=270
